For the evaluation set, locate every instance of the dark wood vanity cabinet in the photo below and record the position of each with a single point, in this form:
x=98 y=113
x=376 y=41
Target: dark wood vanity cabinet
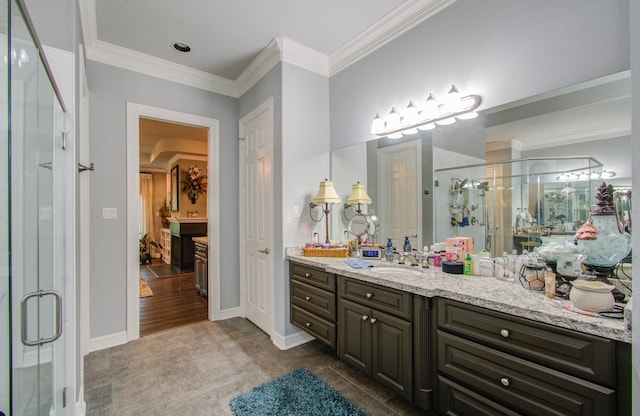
x=182 y=248
x=494 y=363
x=313 y=302
x=375 y=333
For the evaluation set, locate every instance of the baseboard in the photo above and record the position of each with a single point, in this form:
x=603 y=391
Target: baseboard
x=81 y=407
x=290 y=341
x=107 y=341
x=227 y=314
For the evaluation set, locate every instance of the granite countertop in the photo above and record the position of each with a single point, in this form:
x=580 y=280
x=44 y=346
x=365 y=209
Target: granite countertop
x=201 y=240
x=486 y=292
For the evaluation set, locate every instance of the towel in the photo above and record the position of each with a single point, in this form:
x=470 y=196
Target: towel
x=358 y=263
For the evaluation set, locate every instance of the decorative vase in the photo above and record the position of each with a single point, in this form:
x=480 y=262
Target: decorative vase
x=602 y=238
x=193 y=198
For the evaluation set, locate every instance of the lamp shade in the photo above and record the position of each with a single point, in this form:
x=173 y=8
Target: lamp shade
x=326 y=194
x=358 y=195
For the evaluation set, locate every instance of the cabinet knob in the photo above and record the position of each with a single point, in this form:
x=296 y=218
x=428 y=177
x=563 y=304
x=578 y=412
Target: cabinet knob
x=308 y=324
x=369 y=295
x=373 y=320
x=505 y=381
x=307 y=275
x=505 y=333
x=307 y=298
x=365 y=317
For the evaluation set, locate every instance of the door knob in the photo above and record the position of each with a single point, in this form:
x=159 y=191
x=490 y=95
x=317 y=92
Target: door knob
x=265 y=251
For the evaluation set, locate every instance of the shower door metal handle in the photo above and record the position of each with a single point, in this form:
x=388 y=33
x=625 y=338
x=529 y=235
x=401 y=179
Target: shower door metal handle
x=23 y=309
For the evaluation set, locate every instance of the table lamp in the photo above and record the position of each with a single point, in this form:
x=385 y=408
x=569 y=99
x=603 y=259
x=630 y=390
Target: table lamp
x=326 y=195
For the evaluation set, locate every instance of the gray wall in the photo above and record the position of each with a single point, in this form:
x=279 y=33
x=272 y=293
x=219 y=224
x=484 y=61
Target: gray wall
x=501 y=50
x=110 y=89
x=300 y=162
x=305 y=162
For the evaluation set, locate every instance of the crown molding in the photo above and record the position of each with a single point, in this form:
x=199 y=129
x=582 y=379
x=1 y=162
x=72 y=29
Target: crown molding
x=579 y=138
x=268 y=58
x=124 y=58
x=399 y=21
x=307 y=58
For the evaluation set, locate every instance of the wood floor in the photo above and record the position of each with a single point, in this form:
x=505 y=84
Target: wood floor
x=175 y=302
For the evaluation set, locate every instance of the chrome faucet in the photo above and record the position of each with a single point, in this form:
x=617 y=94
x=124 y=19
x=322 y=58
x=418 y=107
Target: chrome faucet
x=401 y=256
x=414 y=257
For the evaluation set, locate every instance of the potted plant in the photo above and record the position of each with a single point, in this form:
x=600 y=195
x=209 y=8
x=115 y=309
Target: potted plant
x=145 y=253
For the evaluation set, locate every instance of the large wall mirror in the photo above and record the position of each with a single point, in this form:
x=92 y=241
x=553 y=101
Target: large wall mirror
x=591 y=119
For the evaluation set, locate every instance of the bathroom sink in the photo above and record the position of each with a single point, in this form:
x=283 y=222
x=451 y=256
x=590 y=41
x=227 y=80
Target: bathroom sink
x=395 y=271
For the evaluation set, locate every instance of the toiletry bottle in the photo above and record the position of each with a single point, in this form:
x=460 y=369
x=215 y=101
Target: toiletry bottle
x=468 y=265
x=437 y=258
x=407 y=245
x=389 y=250
x=425 y=257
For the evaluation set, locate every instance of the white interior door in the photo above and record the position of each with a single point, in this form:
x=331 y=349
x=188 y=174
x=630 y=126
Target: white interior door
x=400 y=181
x=256 y=202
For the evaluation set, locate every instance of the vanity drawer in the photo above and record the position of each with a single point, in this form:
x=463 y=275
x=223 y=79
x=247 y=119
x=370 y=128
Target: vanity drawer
x=520 y=385
x=313 y=276
x=317 y=301
x=458 y=400
x=381 y=298
x=324 y=331
x=585 y=356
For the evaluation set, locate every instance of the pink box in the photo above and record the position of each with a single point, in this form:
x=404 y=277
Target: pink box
x=458 y=247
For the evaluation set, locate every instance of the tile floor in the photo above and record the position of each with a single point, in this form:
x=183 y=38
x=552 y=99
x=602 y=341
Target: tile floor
x=196 y=369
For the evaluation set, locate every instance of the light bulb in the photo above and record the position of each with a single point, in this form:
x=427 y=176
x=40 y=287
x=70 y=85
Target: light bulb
x=430 y=108
x=410 y=114
x=397 y=135
x=377 y=125
x=446 y=121
x=410 y=131
x=467 y=116
x=393 y=120
x=452 y=101
x=426 y=127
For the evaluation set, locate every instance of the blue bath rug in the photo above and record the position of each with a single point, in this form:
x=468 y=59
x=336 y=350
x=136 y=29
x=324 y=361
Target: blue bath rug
x=298 y=393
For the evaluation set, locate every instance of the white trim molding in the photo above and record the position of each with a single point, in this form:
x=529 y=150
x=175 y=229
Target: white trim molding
x=400 y=20
x=290 y=341
x=134 y=112
x=107 y=341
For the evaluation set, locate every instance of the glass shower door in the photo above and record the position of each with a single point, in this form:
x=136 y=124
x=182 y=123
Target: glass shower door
x=36 y=229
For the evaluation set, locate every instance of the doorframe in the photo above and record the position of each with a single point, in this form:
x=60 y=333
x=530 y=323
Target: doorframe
x=134 y=112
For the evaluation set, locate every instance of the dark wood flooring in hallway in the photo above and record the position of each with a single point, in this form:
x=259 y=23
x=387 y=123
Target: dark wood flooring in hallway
x=175 y=300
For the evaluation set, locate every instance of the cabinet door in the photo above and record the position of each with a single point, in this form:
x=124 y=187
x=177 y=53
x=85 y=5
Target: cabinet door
x=354 y=341
x=392 y=353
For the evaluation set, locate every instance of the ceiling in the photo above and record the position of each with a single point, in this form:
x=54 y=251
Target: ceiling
x=226 y=36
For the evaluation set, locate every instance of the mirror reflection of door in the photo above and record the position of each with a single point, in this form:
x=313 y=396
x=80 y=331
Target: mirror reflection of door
x=400 y=182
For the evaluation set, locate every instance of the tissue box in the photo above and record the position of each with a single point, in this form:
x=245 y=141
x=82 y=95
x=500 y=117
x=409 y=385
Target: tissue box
x=458 y=247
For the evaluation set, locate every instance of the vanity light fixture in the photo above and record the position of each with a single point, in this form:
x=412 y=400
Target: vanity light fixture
x=427 y=116
x=584 y=176
x=357 y=198
x=326 y=195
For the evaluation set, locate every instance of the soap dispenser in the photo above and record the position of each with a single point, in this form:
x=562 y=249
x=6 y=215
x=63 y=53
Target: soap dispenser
x=468 y=265
x=407 y=245
x=389 y=250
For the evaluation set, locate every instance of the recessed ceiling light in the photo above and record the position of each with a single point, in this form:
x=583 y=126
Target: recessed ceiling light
x=181 y=47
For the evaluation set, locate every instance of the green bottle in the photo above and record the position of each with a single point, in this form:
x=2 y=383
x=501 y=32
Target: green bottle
x=468 y=265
